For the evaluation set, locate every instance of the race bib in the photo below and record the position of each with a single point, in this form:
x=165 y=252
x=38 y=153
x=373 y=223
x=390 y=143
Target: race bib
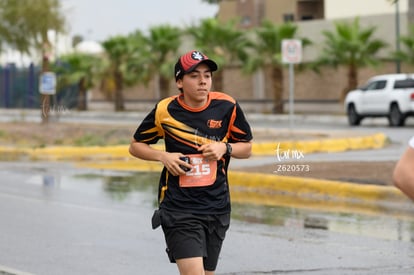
x=203 y=172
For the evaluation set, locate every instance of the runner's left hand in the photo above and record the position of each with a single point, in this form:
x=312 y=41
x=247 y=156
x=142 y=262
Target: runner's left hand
x=213 y=151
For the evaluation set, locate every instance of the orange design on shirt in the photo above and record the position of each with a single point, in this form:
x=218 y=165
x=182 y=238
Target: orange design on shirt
x=214 y=124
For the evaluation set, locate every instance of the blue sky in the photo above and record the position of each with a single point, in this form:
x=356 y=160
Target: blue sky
x=100 y=19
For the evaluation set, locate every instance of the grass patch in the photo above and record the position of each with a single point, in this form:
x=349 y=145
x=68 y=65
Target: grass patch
x=3 y=134
x=89 y=140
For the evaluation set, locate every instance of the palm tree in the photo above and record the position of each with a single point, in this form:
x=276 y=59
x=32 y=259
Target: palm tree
x=352 y=46
x=118 y=49
x=222 y=42
x=79 y=69
x=137 y=58
x=162 y=45
x=137 y=66
x=267 y=53
x=406 y=55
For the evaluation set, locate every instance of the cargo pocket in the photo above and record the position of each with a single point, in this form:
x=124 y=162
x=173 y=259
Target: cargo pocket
x=223 y=225
x=156 y=219
x=167 y=218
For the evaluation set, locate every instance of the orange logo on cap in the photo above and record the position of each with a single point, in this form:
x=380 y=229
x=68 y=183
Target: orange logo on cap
x=214 y=124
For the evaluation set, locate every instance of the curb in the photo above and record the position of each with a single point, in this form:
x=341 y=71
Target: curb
x=256 y=188
x=325 y=195
x=277 y=190
x=374 y=141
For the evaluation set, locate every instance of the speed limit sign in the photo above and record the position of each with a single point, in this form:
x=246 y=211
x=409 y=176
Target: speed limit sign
x=291 y=51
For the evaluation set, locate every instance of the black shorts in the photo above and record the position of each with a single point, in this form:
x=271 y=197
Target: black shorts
x=193 y=235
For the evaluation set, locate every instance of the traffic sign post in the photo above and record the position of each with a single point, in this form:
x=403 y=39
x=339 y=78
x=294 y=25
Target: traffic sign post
x=291 y=51
x=47 y=87
x=47 y=83
x=291 y=54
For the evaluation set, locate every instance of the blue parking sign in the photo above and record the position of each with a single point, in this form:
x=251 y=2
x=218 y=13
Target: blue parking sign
x=47 y=83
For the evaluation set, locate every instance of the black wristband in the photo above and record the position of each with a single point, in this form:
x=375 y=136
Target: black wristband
x=229 y=149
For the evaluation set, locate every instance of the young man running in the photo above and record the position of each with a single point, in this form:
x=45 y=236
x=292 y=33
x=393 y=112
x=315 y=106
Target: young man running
x=202 y=130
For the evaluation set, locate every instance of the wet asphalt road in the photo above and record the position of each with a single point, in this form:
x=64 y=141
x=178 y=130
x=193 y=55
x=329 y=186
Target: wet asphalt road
x=54 y=222
x=59 y=220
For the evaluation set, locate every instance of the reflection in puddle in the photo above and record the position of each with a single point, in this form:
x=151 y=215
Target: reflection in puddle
x=144 y=187
x=48 y=180
x=119 y=187
x=378 y=226
x=135 y=188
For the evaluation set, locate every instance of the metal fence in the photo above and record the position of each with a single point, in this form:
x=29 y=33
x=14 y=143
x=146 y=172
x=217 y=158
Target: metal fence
x=19 y=88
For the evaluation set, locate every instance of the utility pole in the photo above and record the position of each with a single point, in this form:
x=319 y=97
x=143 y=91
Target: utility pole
x=397 y=35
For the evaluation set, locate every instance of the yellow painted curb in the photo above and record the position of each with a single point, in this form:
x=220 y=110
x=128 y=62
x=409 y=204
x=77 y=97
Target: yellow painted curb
x=375 y=141
x=276 y=190
x=325 y=195
x=266 y=148
x=307 y=187
x=255 y=188
x=272 y=184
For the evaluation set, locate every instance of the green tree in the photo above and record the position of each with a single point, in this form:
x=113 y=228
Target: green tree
x=14 y=29
x=76 y=39
x=162 y=45
x=137 y=66
x=24 y=26
x=153 y=57
x=267 y=54
x=407 y=53
x=118 y=49
x=139 y=58
x=222 y=42
x=351 y=46
x=80 y=69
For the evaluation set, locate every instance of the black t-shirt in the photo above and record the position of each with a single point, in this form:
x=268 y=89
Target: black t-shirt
x=184 y=129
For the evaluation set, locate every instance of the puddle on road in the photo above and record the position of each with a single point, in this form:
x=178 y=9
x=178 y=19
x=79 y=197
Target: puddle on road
x=379 y=226
x=141 y=189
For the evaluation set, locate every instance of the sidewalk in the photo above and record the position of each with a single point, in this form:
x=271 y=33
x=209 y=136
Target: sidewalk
x=106 y=117
x=248 y=106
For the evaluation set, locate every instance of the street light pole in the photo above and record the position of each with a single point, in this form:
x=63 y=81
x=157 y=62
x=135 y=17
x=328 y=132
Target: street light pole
x=397 y=34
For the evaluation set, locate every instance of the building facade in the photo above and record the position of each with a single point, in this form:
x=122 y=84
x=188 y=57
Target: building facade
x=315 y=16
x=312 y=18
x=251 y=12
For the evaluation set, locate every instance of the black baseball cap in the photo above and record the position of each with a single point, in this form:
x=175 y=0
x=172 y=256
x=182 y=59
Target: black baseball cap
x=189 y=61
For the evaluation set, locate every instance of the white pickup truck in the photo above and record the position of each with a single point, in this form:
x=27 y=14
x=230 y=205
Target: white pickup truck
x=388 y=95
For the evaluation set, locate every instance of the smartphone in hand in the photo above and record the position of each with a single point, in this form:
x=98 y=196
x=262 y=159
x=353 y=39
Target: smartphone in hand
x=184 y=168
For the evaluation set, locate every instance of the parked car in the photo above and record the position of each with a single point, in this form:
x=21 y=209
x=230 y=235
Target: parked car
x=388 y=95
